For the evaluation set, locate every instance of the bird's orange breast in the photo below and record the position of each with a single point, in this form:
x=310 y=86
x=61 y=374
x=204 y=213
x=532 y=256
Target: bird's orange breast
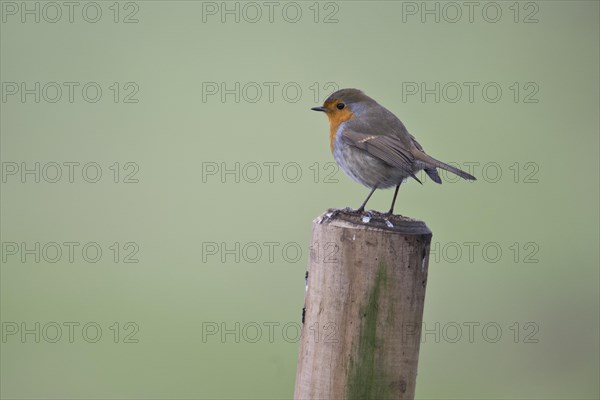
x=336 y=118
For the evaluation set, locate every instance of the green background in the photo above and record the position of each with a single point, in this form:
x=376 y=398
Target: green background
x=172 y=295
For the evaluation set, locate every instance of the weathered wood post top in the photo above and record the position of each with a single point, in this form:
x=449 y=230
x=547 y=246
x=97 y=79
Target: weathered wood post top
x=363 y=307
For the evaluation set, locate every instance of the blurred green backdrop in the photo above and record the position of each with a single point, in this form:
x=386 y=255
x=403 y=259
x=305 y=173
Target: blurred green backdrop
x=212 y=169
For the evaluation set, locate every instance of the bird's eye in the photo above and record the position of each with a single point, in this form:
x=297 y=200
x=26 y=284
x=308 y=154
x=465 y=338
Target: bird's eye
x=340 y=106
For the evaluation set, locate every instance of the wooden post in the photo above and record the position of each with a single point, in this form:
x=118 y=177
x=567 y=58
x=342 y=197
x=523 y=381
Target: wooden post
x=363 y=308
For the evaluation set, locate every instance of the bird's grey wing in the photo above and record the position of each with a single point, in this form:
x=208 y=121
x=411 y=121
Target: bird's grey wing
x=417 y=145
x=386 y=148
x=431 y=172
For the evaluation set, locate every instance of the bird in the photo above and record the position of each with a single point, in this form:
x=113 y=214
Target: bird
x=373 y=147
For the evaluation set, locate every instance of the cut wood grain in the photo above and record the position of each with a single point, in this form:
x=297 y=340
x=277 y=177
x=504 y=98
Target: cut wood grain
x=363 y=308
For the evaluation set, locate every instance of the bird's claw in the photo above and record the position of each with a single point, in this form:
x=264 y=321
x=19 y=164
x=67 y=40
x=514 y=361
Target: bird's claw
x=366 y=216
x=334 y=212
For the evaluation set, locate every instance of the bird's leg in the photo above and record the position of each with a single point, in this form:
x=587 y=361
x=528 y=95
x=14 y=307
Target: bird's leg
x=362 y=206
x=334 y=212
x=393 y=201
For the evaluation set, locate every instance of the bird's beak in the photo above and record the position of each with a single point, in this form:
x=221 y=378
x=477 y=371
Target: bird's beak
x=320 y=108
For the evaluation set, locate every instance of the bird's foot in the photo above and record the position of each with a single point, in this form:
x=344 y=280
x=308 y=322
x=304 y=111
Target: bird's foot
x=366 y=216
x=334 y=212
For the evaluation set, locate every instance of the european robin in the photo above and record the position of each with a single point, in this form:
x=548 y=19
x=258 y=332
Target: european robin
x=373 y=147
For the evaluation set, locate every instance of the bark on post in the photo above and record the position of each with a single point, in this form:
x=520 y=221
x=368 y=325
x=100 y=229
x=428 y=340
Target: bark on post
x=363 y=308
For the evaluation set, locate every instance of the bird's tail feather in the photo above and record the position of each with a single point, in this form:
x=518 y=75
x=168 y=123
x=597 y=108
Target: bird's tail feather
x=436 y=163
x=433 y=174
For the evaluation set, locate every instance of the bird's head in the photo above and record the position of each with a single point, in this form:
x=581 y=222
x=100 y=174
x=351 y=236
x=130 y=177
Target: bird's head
x=344 y=104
